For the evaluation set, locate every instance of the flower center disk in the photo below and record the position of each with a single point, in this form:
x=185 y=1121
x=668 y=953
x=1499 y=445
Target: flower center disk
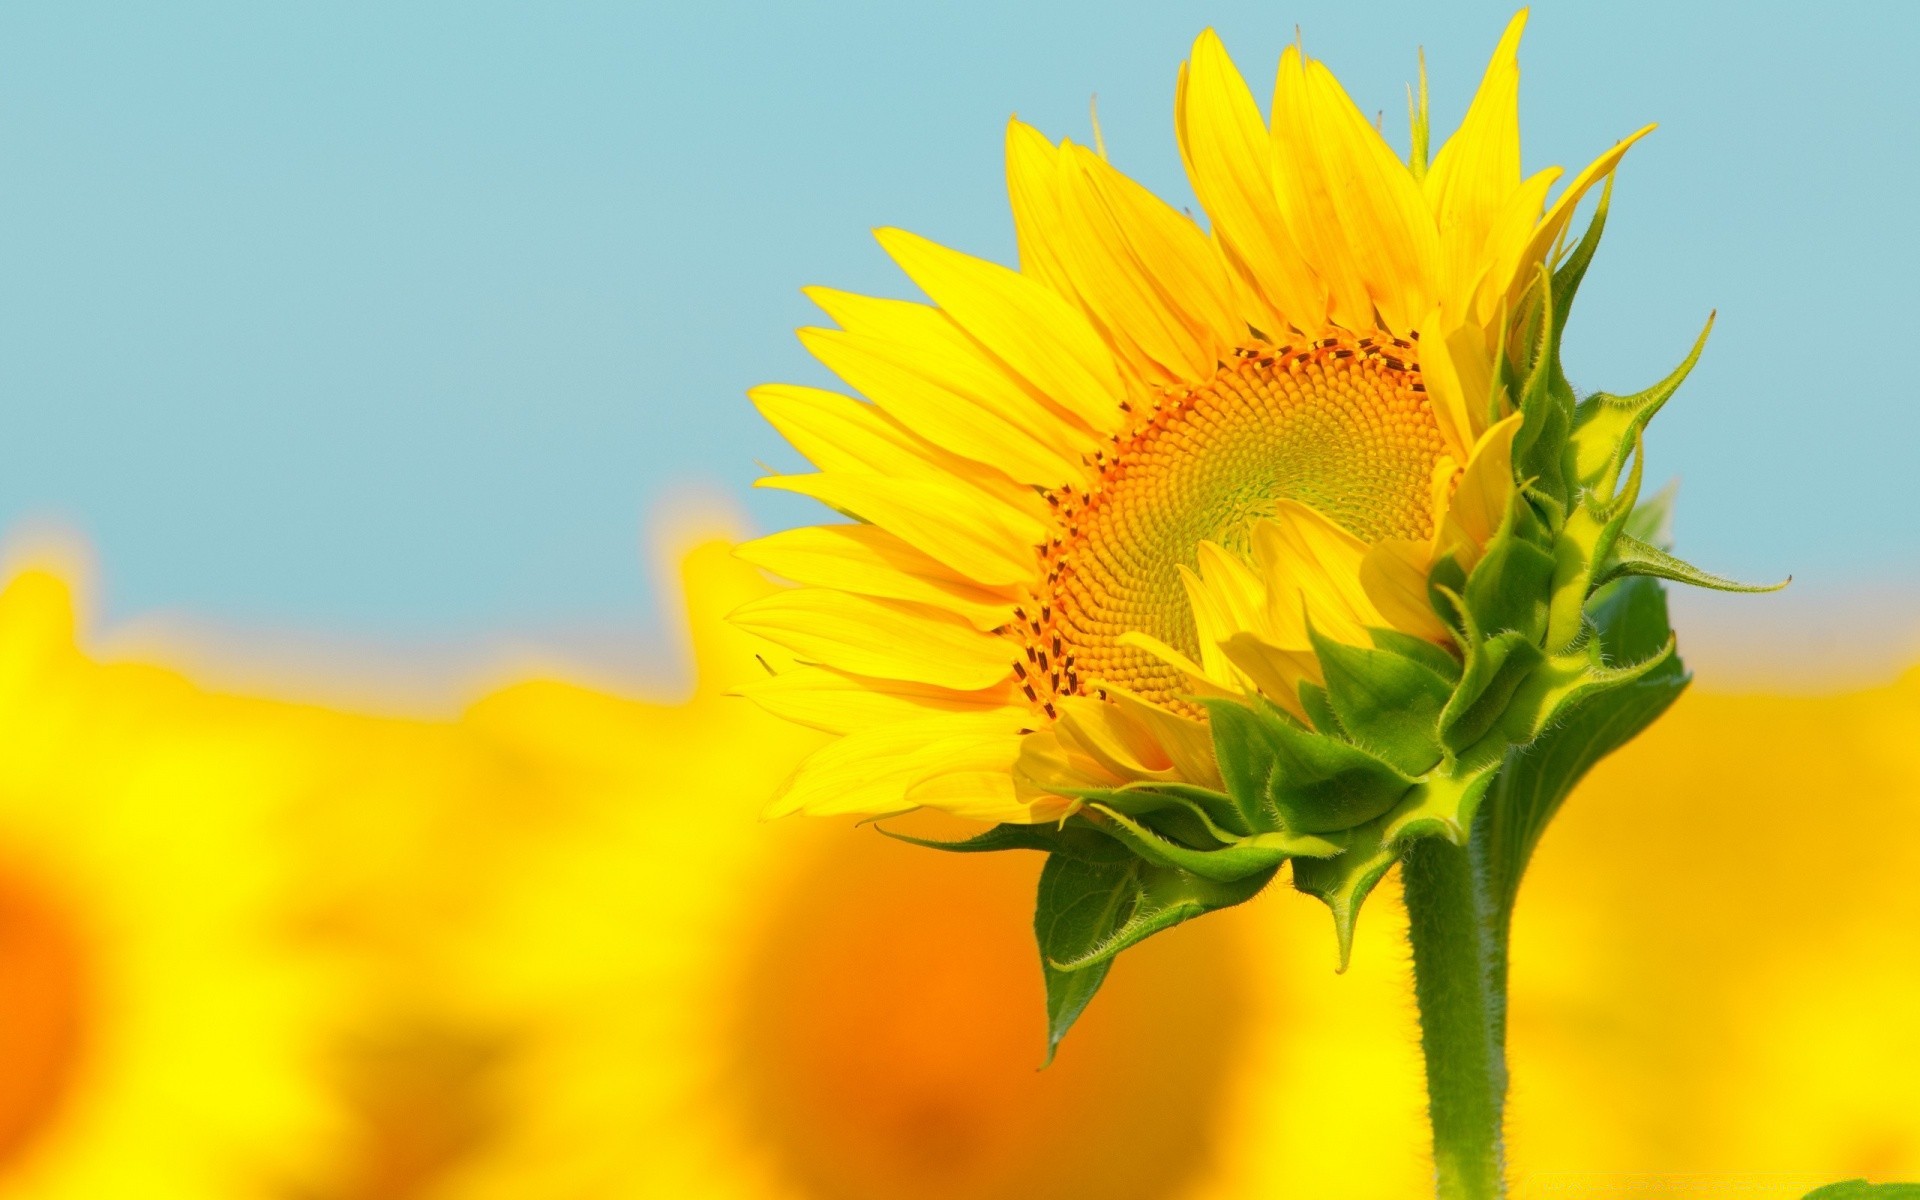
x=1341 y=423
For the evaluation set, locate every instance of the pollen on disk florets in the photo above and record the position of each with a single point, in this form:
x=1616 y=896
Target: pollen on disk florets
x=1341 y=422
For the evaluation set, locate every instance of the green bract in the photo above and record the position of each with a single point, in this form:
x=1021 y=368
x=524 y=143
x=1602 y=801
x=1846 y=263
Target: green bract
x=1562 y=653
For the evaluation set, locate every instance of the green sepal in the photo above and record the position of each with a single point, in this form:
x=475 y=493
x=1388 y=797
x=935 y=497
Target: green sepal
x=1563 y=681
x=1246 y=757
x=1228 y=864
x=1606 y=428
x=1495 y=669
x=1320 y=709
x=1386 y=702
x=1322 y=784
x=1631 y=556
x=1420 y=650
x=1445 y=581
x=1222 y=816
x=1568 y=276
x=1442 y=806
x=1546 y=404
x=1860 y=1189
x=1510 y=586
x=1306 y=782
x=1344 y=881
x=1091 y=908
x=1587 y=538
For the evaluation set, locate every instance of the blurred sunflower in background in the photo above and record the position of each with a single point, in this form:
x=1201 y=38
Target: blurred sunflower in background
x=262 y=949
x=157 y=1025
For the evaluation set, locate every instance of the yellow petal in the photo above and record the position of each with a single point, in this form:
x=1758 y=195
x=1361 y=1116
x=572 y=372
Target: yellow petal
x=1506 y=242
x=1486 y=488
x=1388 y=227
x=1479 y=167
x=869 y=561
x=836 y=702
x=1275 y=670
x=1203 y=682
x=943 y=417
x=1106 y=734
x=1302 y=191
x=871 y=771
x=1236 y=594
x=1033 y=189
x=1307 y=560
x=1459 y=399
x=987 y=795
x=1555 y=222
x=883 y=638
x=1228 y=153
x=1050 y=766
x=839 y=433
x=1027 y=325
x=1394 y=574
x=989 y=543
x=1147 y=274
x=1187 y=742
x=1217 y=602
x=918 y=337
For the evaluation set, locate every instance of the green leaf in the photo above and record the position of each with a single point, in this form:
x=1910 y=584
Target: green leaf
x=1000 y=837
x=1860 y=1189
x=1631 y=556
x=1630 y=618
x=1344 y=881
x=1089 y=910
x=1536 y=779
x=1387 y=703
x=1495 y=670
x=1080 y=904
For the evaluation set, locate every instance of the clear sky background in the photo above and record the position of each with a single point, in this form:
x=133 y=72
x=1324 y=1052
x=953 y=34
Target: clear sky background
x=406 y=321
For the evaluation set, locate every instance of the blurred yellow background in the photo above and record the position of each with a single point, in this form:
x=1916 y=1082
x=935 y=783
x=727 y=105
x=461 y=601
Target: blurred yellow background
x=257 y=948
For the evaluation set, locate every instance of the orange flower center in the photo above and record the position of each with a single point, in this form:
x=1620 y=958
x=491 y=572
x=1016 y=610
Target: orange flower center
x=1342 y=424
x=893 y=1026
x=42 y=999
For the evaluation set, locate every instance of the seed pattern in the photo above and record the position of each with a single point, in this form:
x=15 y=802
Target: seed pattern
x=1339 y=423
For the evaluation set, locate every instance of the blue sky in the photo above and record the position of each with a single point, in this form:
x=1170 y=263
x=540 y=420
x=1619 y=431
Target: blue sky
x=401 y=321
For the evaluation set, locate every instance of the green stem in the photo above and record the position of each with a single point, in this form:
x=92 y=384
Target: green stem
x=1459 y=932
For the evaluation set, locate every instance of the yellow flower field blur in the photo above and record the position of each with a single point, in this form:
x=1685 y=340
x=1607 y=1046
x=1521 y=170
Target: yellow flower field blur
x=257 y=948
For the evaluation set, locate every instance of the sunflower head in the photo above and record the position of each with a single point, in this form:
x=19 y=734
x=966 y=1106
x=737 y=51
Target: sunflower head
x=1183 y=552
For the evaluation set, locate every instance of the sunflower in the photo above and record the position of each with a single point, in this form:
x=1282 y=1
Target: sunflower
x=155 y=1022
x=1158 y=461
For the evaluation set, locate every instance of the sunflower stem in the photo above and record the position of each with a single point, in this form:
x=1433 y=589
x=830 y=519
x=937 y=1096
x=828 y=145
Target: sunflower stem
x=1458 y=928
